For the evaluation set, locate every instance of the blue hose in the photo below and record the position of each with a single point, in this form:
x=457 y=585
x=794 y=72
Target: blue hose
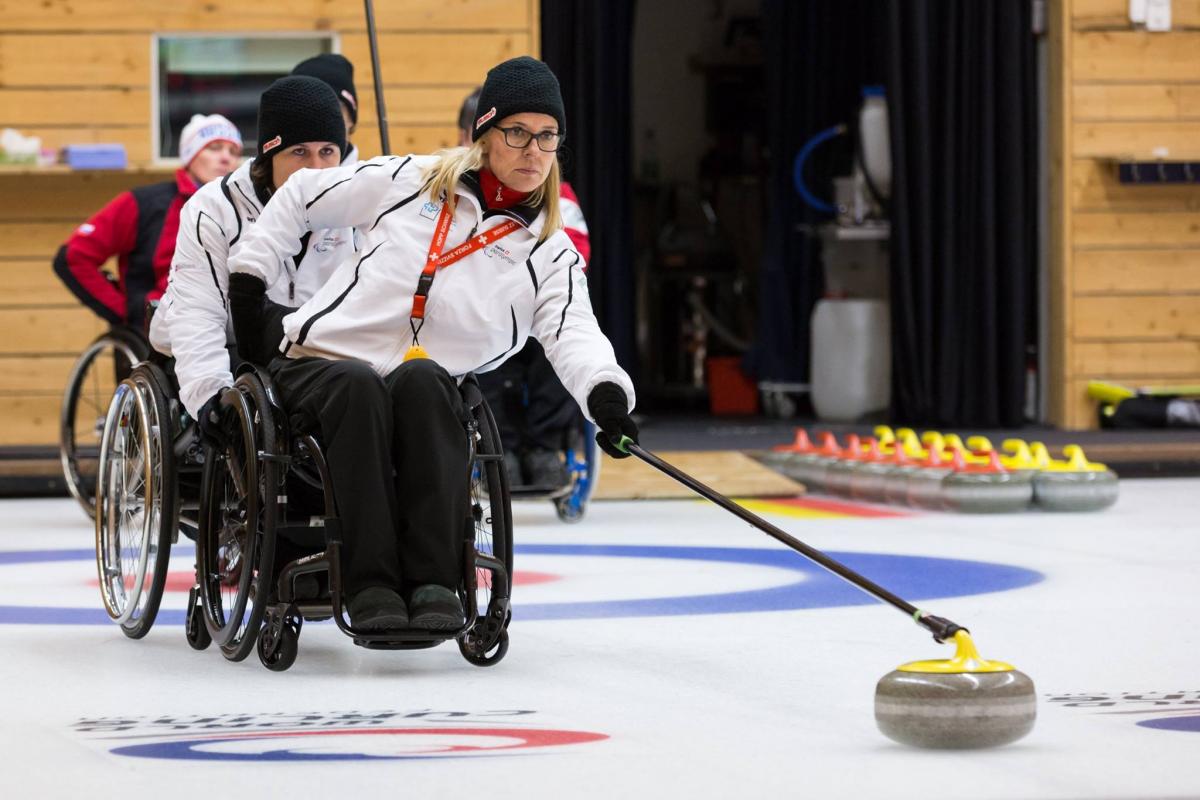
x=798 y=168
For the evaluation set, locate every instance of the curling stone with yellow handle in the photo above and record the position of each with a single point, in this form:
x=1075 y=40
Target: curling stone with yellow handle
x=987 y=488
x=907 y=439
x=1017 y=456
x=1075 y=484
x=958 y=703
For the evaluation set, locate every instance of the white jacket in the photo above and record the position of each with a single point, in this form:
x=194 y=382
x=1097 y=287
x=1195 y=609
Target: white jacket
x=479 y=311
x=192 y=322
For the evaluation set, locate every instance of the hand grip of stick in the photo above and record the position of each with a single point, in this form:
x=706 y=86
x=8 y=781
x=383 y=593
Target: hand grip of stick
x=941 y=628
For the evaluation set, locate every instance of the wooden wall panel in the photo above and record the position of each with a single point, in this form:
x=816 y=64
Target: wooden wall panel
x=31 y=282
x=1138 y=141
x=29 y=419
x=1125 y=361
x=1125 y=56
x=1142 y=101
x=75 y=60
x=47 y=330
x=1125 y=280
x=43 y=375
x=1138 y=317
x=263 y=15
x=1134 y=229
x=1137 y=271
x=68 y=196
x=1114 y=14
x=420 y=58
x=37 y=107
x=33 y=240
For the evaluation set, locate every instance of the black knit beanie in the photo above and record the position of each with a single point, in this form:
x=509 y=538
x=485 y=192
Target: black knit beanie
x=519 y=85
x=338 y=72
x=299 y=109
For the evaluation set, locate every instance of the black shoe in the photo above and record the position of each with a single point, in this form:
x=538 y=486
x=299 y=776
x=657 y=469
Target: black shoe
x=436 y=608
x=378 y=608
x=545 y=468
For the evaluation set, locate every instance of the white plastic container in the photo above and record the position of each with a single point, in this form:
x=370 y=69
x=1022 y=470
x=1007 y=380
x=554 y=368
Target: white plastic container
x=851 y=367
x=873 y=129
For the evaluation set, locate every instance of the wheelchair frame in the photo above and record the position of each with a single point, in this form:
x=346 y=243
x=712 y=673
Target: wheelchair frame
x=146 y=446
x=134 y=348
x=263 y=612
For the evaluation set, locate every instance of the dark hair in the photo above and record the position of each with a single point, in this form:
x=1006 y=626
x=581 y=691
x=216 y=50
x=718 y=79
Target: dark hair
x=466 y=113
x=262 y=177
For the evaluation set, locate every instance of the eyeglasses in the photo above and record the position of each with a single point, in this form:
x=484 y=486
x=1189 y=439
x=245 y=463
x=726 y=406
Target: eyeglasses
x=547 y=141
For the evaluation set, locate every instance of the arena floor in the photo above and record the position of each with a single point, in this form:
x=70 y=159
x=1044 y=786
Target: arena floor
x=659 y=649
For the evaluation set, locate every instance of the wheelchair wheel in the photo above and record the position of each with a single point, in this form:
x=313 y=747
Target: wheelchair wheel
x=136 y=501
x=491 y=509
x=90 y=385
x=583 y=460
x=236 y=540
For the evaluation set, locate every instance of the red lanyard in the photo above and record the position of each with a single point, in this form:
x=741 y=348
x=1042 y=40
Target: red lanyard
x=436 y=260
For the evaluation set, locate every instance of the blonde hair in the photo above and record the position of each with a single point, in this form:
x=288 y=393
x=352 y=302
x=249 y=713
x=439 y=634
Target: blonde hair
x=453 y=162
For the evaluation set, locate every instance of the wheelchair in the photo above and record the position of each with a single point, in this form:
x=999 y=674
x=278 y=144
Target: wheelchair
x=103 y=364
x=245 y=597
x=583 y=471
x=147 y=491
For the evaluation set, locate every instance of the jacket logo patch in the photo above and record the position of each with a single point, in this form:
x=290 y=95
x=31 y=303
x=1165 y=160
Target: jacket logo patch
x=496 y=251
x=430 y=210
x=328 y=242
x=86 y=229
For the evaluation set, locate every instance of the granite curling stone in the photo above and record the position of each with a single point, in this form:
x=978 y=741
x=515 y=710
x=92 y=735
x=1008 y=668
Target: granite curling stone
x=956 y=704
x=1076 y=484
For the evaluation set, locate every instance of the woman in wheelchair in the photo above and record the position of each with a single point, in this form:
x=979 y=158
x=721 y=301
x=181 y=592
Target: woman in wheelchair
x=300 y=125
x=463 y=257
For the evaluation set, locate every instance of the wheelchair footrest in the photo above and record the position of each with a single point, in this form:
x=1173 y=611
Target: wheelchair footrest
x=388 y=644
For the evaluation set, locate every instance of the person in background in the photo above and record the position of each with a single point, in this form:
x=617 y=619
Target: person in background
x=139 y=228
x=533 y=410
x=337 y=71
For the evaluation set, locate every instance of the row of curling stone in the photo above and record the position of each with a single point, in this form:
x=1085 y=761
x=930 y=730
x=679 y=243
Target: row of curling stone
x=942 y=472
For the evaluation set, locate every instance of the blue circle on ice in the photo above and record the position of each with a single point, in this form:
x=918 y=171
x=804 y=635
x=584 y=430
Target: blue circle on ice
x=911 y=577
x=1188 y=724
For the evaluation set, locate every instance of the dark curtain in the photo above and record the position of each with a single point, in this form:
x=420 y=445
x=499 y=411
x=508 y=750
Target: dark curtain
x=818 y=55
x=588 y=44
x=961 y=99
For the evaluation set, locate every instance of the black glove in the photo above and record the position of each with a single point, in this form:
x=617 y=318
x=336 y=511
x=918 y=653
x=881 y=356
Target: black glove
x=216 y=422
x=609 y=407
x=246 y=294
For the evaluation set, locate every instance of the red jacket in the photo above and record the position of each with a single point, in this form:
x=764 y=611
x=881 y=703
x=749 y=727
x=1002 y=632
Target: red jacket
x=573 y=221
x=139 y=227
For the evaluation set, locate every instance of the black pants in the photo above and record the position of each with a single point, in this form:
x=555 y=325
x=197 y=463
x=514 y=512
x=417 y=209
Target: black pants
x=397 y=453
x=531 y=406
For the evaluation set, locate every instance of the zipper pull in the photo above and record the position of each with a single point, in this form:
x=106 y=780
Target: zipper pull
x=291 y=291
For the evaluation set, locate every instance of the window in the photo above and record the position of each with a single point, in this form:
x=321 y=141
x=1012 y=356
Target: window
x=221 y=75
